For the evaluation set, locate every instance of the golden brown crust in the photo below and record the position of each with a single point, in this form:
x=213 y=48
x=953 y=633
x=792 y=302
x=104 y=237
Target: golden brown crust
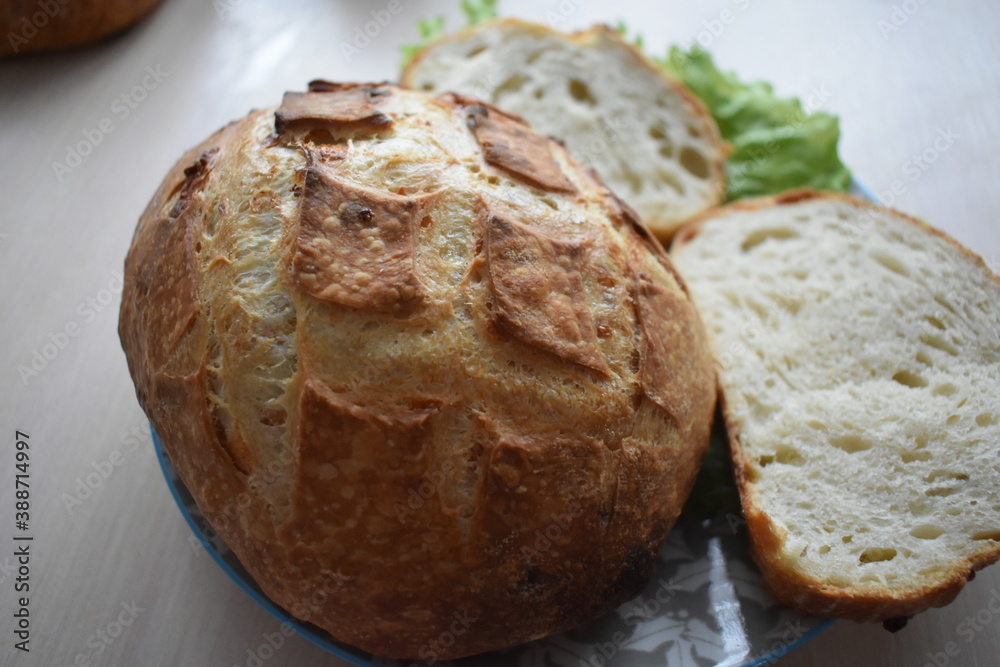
x=73 y=24
x=767 y=539
x=673 y=352
x=428 y=469
x=355 y=246
x=340 y=108
x=511 y=146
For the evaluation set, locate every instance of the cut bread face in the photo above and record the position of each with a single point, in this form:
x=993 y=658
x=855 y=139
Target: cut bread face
x=648 y=137
x=859 y=358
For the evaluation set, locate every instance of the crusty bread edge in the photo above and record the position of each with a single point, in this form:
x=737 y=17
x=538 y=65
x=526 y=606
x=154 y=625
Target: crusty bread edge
x=798 y=591
x=664 y=230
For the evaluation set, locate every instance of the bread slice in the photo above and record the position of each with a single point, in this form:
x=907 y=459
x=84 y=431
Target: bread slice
x=648 y=137
x=859 y=355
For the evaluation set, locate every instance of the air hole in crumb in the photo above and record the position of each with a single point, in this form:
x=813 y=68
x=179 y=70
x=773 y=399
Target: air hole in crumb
x=923 y=358
x=511 y=84
x=670 y=179
x=765 y=460
x=943 y=492
x=846 y=538
x=427 y=87
x=426 y=222
x=877 y=555
x=539 y=94
x=927 y=532
x=694 y=162
x=952 y=420
x=757 y=308
x=946 y=389
x=910 y=457
x=476 y=51
x=946 y=474
x=493 y=180
x=939 y=343
x=756 y=237
x=658 y=131
x=788 y=455
x=850 y=443
x=908 y=379
x=944 y=304
x=890 y=263
x=986 y=419
x=935 y=322
x=987 y=535
x=550 y=202
x=580 y=92
x=534 y=56
x=824 y=549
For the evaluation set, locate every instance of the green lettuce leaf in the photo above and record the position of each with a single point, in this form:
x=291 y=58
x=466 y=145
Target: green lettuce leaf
x=478 y=11
x=430 y=30
x=776 y=145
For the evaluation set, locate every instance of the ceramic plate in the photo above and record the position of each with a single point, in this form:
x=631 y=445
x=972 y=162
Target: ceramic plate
x=707 y=604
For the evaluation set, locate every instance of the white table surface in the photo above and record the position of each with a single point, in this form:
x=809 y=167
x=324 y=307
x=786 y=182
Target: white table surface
x=63 y=237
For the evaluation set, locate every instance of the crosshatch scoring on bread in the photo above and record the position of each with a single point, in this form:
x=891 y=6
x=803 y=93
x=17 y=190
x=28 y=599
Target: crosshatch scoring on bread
x=355 y=245
x=667 y=362
x=538 y=291
x=342 y=299
x=338 y=106
x=509 y=145
x=165 y=268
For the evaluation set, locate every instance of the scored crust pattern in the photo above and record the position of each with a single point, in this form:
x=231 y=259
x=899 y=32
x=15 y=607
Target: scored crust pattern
x=356 y=246
x=422 y=454
x=538 y=292
x=334 y=106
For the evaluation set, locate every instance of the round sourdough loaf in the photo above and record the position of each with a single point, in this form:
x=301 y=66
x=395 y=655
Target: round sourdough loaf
x=438 y=389
x=29 y=26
